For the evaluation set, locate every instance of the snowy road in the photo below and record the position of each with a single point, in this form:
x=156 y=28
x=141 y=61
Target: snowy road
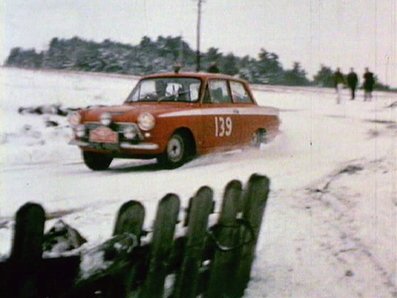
x=332 y=213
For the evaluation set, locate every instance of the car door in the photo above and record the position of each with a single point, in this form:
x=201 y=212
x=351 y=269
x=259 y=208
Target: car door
x=219 y=115
x=247 y=111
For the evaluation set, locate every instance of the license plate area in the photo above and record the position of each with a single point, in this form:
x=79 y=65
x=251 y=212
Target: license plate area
x=103 y=134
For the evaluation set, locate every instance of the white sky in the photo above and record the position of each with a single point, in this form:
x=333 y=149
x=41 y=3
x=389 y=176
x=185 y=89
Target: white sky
x=341 y=33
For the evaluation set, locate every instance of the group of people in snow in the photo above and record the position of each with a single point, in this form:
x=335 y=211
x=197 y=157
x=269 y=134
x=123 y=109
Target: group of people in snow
x=351 y=80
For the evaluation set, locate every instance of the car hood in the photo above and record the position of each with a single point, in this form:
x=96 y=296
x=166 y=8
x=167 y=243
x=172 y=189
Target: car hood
x=130 y=112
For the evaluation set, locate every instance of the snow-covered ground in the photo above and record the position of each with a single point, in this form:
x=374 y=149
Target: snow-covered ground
x=330 y=228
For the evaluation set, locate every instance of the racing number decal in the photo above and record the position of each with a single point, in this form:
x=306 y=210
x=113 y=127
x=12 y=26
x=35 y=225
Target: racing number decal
x=223 y=126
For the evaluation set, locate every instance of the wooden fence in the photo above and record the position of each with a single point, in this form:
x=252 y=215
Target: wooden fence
x=207 y=260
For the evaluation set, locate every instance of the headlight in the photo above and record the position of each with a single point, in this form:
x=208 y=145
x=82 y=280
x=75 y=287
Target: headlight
x=130 y=132
x=146 y=121
x=74 y=118
x=106 y=119
x=80 y=131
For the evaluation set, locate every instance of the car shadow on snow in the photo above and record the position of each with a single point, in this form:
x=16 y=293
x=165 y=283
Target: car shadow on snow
x=152 y=166
x=118 y=166
x=212 y=159
x=135 y=166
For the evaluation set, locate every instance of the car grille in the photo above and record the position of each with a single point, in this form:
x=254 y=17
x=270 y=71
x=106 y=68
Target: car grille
x=118 y=127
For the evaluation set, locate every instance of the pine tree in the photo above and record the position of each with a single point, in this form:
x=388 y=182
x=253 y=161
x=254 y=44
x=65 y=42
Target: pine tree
x=324 y=77
x=296 y=76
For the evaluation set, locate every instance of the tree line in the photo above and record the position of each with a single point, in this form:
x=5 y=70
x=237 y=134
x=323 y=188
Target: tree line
x=152 y=56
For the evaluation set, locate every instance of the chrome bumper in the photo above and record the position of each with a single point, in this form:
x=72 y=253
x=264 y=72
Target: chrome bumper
x=78 y=143
x=140 y=146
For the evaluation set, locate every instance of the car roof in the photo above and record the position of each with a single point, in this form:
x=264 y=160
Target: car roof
x=198 y=75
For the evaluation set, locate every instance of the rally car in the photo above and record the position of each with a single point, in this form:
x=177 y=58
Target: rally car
x=174 y=117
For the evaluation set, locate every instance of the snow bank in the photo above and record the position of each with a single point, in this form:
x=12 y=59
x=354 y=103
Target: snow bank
x=332 y=213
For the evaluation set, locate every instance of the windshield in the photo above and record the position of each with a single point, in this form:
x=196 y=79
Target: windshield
x=166 y=89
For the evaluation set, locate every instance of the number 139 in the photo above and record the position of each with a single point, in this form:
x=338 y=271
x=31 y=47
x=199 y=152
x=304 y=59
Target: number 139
x=223 y=126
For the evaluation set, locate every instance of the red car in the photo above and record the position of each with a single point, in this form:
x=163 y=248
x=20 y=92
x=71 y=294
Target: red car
x=173 y=117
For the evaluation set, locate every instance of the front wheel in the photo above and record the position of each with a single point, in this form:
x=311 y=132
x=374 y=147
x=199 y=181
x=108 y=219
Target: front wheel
x=96 y=161
x=176 y=152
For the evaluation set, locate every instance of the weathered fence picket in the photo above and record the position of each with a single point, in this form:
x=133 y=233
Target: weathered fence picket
x=225 y=237
x=188 y=277
x=163 y=235
x=255 y=199
x=208 y=261
x=129 y=221
x=116 y=281
x=27 y=249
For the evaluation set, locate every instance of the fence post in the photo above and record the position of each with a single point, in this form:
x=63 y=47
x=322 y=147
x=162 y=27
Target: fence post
x=26 y=253
x=187 y=279
x=255 y=199
x=224 y=261
x=129 y=220
x=161 y=246
x=117 y=280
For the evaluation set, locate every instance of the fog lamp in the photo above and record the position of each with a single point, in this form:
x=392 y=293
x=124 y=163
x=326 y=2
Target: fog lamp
x=130 y=132
x=80 y=131
x=74 y=118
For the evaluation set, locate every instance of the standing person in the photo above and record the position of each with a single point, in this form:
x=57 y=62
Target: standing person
x=369 y=82
x=352 y=82
x=339 y=80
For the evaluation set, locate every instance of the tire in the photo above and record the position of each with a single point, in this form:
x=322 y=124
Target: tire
x=177 y=152
x=97 y=161
x=258 y=138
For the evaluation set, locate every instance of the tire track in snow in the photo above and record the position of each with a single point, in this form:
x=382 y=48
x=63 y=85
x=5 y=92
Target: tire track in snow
x=339 y=206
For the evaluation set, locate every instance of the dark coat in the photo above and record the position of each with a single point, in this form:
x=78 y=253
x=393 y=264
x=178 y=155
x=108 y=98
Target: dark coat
x=338 y=78
x=369 y=81
x=352 y=80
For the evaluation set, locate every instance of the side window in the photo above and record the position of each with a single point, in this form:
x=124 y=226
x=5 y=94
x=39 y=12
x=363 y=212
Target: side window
x=148 y=87
x=219 y=92
x=194 y=91
x=240 y=94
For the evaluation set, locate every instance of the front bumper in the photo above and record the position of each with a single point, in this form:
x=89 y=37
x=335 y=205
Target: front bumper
x=122 y=145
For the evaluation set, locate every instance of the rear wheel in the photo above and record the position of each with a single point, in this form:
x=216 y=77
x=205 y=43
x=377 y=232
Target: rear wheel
x=177 y=152
x=258 y=138
x=97 y=161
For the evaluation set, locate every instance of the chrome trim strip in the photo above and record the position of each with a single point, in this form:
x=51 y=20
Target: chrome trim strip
x=209 y=111
x=143 y=146
x=99 y=123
